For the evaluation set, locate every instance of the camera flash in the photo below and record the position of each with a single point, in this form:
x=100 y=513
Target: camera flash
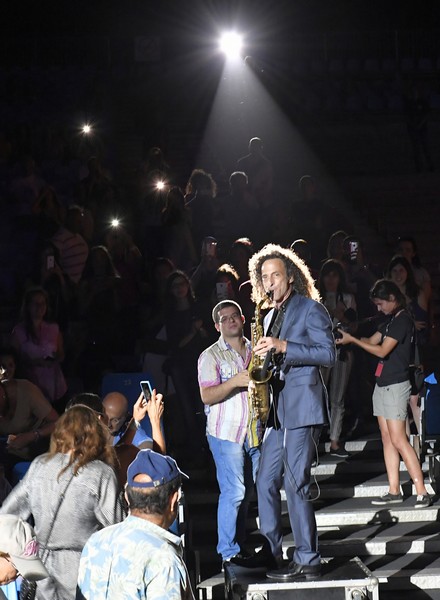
x=160 y=185
x=115 y=222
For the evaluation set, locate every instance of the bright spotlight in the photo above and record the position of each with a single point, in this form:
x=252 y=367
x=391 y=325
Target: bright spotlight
x=231 y=44
x=160 y=185
x=86 y=128
x=115 y=222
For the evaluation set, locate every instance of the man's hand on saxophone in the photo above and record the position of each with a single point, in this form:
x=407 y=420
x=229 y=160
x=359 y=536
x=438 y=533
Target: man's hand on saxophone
x=267 y=344
x=221 y=392
x=241 y=380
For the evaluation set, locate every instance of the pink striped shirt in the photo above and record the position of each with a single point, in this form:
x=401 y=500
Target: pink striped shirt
x=232 y=418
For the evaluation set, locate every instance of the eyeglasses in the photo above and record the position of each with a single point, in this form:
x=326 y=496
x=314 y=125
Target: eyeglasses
x=116 y=420
x=234 y=317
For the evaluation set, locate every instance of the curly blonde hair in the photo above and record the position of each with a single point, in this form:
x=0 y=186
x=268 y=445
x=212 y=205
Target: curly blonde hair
x=79 y=432
x=296 y=269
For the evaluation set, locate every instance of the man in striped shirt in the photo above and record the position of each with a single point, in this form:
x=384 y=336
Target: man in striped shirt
x=233 y=430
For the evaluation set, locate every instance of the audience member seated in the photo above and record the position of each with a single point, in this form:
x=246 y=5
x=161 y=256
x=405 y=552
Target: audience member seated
x=124 y=428
x=187 y=338
x=129 y=437
x=27 y=419
x=177 y=241
x=200 y=192
x=342 y=308
x=70 y=492
x=39 y=344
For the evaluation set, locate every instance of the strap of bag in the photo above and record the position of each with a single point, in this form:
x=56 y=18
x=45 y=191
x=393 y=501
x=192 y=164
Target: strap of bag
x=415 y=354
x=57 y=510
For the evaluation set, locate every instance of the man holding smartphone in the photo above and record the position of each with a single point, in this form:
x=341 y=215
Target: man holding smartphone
x=122 y=425
x=233 y=430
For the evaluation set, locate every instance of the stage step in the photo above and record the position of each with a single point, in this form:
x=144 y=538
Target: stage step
x=398 y=543
x=418 y=574
x=406 y=571
x=360 y=511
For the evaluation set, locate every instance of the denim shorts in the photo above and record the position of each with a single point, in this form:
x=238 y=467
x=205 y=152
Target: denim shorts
x=391 y=401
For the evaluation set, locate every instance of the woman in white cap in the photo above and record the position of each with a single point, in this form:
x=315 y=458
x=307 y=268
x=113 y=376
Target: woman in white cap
x=18 y=553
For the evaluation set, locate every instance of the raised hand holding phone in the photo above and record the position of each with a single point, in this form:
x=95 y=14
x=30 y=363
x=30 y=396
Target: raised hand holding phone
x=148 y=402
x=146 y=390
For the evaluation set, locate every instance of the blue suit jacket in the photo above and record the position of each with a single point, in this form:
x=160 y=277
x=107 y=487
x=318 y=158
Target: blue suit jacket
x=307 y=327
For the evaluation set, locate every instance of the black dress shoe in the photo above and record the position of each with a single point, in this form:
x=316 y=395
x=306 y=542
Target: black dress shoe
x=235 y=559
x=295 y=572
x=261 y=559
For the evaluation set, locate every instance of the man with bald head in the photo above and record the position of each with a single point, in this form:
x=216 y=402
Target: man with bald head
x=124 y=429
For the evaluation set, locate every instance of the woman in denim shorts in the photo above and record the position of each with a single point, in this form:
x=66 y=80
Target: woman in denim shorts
x=391 y=344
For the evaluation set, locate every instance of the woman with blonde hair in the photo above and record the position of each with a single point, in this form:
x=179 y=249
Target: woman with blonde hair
x=71 y=492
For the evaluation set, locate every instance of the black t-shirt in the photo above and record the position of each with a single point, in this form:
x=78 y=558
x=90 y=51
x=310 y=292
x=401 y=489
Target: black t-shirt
x=396 y=364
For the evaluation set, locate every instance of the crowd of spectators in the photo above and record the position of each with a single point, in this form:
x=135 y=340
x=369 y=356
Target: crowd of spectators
x=110 y=282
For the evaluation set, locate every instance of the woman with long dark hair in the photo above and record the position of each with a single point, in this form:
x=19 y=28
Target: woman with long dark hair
x=71 y=492
x=391 y=344
x=399 y=270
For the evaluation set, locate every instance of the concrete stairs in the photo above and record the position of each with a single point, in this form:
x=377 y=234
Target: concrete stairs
x=399 y=544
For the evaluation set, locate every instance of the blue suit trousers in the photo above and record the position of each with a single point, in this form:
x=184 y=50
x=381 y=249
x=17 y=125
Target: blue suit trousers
x=286 y=457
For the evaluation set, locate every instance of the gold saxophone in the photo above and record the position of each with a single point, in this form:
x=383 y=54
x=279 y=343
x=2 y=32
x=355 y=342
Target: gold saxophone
x=258 y=371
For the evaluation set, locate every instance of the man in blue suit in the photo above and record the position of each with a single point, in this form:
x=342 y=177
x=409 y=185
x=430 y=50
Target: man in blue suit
x=299 y=409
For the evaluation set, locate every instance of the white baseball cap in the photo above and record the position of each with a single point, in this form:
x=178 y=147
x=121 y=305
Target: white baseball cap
x=17 y=539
